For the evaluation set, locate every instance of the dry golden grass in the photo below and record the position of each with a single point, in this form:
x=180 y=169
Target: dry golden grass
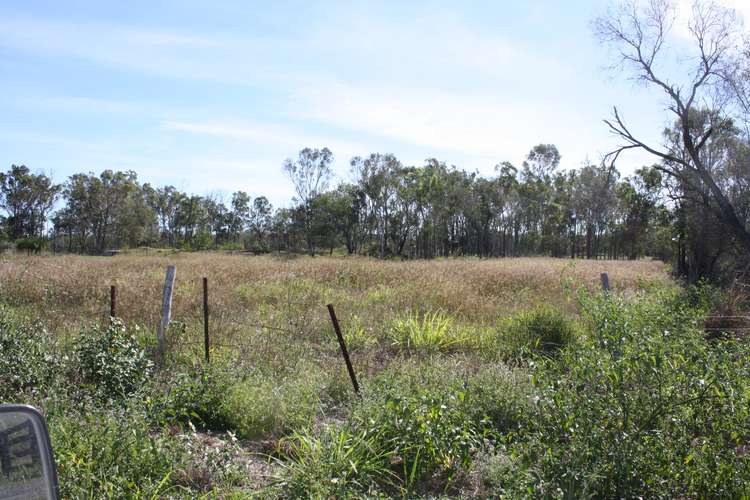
x=68 y=290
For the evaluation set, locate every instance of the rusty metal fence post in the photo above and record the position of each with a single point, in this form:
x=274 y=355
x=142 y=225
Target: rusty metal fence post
x=344 y=352
x=112 y=301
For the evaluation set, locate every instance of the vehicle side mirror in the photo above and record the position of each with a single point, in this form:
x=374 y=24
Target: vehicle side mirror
x=27 y=467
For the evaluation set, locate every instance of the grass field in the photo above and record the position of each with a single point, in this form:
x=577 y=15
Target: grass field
x=510 y=377
x=71 y=289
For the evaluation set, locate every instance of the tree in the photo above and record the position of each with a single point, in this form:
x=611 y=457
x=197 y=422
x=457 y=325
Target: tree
x=165 y=202
x=310 y=175
x=377 y=176
x=27 y=198
x=240 y=214
x=639 y=33
x=260 y=223
x=109 y=207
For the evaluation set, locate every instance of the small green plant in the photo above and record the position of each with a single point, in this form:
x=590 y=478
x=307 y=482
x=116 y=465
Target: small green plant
x=430 y=332
x=428 y=432
x=542 y=329
x=110 y=359
x=641 y=406
x=195 y=396
x=335 y=463
x=265 y=407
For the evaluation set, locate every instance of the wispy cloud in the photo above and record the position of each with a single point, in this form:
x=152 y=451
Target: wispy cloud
x=161 y=53
x=285 y=140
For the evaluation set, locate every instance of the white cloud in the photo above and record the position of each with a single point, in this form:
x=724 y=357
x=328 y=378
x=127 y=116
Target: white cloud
x=478 y=126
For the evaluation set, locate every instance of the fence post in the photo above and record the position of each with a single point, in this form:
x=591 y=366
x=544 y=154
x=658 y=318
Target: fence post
x=166 y=310
x=112 y=301
x=605 y=281
x=205 y=318
x=344 y=352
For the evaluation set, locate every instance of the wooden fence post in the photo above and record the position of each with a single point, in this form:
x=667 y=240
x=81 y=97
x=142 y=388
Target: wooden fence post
x=205 y=318
x=605 y=281
x=166 y=310
x=344 y=352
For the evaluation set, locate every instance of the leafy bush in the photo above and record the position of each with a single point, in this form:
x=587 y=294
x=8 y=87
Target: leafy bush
x=111 y=359
x=27 y=361
x=542 y=329
x=195 y=396
x=431 y=332
x=30 y=244
x=426 y=434
x=640 y=407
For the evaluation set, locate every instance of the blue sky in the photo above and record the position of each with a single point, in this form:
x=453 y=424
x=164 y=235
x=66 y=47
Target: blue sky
x=213 y=96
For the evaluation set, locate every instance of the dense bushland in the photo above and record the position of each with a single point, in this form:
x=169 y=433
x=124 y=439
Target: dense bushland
x=588 y=395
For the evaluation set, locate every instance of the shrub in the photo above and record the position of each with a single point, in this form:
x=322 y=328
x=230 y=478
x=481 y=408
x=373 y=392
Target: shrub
x=426 y=434
x=30 y=244
x=642 y=406
x=542 y=329
x=27 y=359
x=111 y=359
x=101 y=455
x=196 y=397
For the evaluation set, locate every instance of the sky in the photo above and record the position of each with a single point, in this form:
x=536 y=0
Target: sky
x=213 y=96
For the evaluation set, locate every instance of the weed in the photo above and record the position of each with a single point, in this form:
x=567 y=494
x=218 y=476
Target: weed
x=266 y=407
x=334 y=463
x=28 y=360
x=111 y=360
x=431 y=332
x=542 y=329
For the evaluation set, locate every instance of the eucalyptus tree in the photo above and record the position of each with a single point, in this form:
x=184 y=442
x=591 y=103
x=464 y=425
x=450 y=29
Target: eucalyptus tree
x=27 y=199
x=239 y=216
x=310 y=175
x=639 y=34
x=377 y=176
x=259 y=224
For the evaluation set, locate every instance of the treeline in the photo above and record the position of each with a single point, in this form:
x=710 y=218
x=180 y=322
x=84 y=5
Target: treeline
x=391 y=210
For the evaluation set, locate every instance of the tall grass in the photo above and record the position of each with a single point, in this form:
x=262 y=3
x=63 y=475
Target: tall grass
x=501 y=385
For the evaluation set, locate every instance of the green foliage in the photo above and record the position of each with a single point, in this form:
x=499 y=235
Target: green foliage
x=643 y=406
x=427 y=434
x=111 y=456
x=337 y=462
x=416 y=429
x=116 y=453
x=542 y=329
x=266 y=406
x=195 y=396
x=30 y=244
x=111 y=359
x=27 y=359
x=430 y=332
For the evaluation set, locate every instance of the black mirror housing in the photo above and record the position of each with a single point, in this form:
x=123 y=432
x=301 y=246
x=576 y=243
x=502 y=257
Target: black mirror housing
x=27 y=465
